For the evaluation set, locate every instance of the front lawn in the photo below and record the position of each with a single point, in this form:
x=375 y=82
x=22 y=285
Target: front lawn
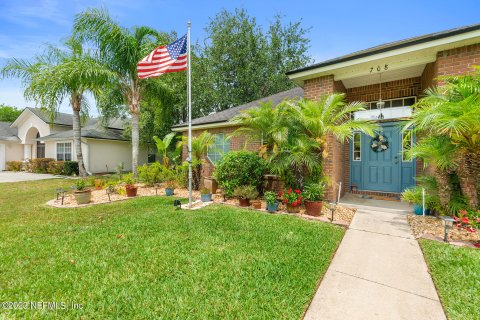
x=143 y=259
x=456 y=273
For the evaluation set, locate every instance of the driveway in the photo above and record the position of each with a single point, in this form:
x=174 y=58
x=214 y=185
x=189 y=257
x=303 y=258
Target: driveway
x=10 y=176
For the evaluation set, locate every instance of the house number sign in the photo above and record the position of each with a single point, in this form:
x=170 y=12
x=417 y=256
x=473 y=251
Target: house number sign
x=379 y=68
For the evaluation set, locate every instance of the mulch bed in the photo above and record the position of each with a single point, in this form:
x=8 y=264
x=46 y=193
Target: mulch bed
x=342 y=216
x=430 y=227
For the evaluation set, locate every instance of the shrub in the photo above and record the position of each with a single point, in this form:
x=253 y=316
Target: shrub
x=80 y=184
x=41 y=165
x=246 y=192
x=270 y=197
x=240 y=168
x=129 y=179
x=151 y=174
x=204 y=191
x=70 y=168
x=55 y=167
x=14 y=165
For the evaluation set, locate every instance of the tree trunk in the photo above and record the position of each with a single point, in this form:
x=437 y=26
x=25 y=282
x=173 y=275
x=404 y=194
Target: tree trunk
x=444 y=187
x=77 y=134
x=468 y=180
x=135 y=143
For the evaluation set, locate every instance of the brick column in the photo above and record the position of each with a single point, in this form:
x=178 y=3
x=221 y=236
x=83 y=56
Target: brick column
x=334 y=163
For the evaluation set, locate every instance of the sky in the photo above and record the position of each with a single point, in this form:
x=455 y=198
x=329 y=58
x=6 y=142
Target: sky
x=337 y=27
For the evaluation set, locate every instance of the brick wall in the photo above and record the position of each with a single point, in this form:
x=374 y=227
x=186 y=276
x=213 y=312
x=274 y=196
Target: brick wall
x=236 y=143
x=390 y=90
x=458 y=61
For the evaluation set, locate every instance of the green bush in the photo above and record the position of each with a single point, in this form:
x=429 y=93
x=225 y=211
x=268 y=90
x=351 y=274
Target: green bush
x=70 y=168
x=240 y=168
x=246 y=192
x=151 y=173
x=55 y=167
x=40 y=165
x=314 y=191
x=14 y=165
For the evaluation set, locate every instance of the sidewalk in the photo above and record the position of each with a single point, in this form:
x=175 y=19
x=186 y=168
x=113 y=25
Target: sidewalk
x=378 y=272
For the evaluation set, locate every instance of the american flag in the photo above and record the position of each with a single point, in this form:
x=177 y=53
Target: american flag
x=170 y=58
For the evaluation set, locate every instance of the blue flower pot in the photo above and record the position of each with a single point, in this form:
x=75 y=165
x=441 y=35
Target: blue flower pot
x=206 y=197
x=418 y=210
x=272 y=207
x=169 y=192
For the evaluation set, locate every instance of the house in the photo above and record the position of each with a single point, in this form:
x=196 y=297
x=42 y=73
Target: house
x=388 y=78
x=33 y=135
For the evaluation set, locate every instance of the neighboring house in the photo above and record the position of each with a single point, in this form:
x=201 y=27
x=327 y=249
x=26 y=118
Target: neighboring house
x=219 y=124
x=396 y=73
x=33 y=135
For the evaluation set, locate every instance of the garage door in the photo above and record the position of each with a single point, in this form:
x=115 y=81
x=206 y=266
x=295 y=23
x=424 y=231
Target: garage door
x=2 y=157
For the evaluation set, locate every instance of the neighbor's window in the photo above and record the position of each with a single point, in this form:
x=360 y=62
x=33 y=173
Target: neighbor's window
x=407 y=142
x=219 y=148
x=64 y=151
x=357 y=146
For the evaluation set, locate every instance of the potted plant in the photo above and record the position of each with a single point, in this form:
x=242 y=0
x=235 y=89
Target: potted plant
x=414 y=197
x=206 y=195
x=130 y=187
x=272 y=202
x=313 y=194
x=257 y=204
x=244 y=194
x=98 y=184
x=170 y=188
x=81 y=193
x=293 y=200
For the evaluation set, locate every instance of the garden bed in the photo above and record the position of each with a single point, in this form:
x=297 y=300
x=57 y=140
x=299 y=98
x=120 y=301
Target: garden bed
x=342 y=215
x=432 y=228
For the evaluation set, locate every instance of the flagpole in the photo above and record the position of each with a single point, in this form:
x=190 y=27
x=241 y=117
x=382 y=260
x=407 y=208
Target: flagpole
x=189 y=90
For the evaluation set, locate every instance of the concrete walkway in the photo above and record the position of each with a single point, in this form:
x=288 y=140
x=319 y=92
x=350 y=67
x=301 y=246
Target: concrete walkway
x=9 y=176
x=378 y=272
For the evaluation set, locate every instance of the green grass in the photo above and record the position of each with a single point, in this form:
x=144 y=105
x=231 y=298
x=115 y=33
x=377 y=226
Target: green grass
x=143 y=259
x=456 y=273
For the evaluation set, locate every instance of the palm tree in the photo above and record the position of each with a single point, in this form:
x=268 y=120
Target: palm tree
x=439 y=153
x=453 y=111
x=120 y=51
x=58 y=74
x=295 y=133
x=200 y=146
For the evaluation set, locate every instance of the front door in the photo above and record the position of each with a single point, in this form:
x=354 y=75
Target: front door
x=377 y=163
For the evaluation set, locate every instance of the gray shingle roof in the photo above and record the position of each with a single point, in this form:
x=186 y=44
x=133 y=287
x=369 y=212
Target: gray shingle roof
x=226 y=115
x=93 y=131
x=7 y=133
x=390 y=46
x=66 y=119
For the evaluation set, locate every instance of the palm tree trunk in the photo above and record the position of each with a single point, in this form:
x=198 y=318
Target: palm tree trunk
x=468 y=180
x=444 y=187
x=135 y=143
x=77 y=134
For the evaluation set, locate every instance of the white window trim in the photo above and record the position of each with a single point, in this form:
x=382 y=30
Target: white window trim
x=353 y=146
x=71 y=150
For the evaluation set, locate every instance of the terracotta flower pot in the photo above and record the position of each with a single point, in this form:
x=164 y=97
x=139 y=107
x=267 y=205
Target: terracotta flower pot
x=244 y=202
x=292 y=209
x=313 y=208
x=83 y=197
x=257 y=204
x=131 y=190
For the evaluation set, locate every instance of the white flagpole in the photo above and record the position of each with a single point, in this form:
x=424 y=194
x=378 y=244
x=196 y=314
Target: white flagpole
x=189 y=90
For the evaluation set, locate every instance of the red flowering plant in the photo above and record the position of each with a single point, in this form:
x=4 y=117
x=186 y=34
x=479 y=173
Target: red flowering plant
x=292 y=197
x=468 y=220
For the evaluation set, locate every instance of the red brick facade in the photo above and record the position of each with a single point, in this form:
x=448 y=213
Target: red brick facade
x=336 y=165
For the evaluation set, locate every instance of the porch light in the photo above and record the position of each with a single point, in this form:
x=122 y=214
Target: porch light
x=333 y=207
x=380 y=103
x=447 y=225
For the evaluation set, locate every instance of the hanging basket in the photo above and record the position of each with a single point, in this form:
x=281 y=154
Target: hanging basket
x=379 y=143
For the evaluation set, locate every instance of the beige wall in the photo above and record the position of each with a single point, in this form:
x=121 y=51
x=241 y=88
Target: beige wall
x=105 y=155
x=13 y=150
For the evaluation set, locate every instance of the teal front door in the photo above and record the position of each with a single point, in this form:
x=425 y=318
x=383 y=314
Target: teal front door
x=383 y=170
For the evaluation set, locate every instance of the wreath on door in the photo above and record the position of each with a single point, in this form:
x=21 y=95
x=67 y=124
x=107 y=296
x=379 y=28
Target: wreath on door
x=379 y=143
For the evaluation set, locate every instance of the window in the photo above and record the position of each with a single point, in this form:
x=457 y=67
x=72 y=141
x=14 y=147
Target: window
x=392 y=103
x=64 y=151
x=219 y=148
x=40 y=148
x=152 y=150
x=407 y=142
x=357 y=146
